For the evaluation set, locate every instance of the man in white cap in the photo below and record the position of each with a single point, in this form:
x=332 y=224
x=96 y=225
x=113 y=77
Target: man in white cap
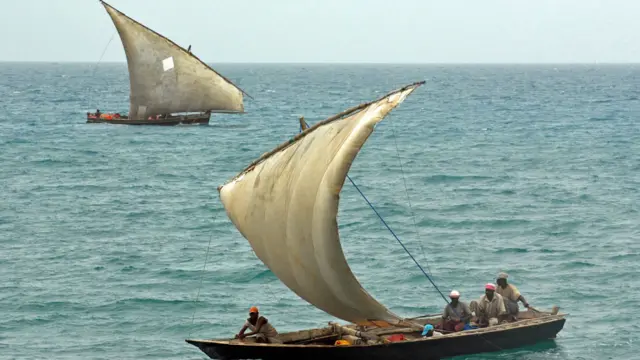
x=511 y=295
x=490 y=309
x=456 y=314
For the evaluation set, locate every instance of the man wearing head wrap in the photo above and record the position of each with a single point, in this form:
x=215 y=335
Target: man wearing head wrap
x=511 y=295
x=489 y=310
x=260 y=327
x=456 y=314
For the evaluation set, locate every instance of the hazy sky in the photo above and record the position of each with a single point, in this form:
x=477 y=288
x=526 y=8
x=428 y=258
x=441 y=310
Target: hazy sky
x=414 y=31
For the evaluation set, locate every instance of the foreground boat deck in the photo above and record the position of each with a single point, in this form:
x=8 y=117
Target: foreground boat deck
x=318 y=343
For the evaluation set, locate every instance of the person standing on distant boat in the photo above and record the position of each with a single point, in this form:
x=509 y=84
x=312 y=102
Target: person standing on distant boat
x=490 y=309
x=511 y=295
x=456 y=314
x=260 y=327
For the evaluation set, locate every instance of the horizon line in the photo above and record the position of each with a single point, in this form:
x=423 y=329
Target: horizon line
x=330 y=63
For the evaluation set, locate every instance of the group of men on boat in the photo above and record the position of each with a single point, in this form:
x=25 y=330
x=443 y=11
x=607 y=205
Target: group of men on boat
x=499 y=304
x=104 y=116
x=111 y=116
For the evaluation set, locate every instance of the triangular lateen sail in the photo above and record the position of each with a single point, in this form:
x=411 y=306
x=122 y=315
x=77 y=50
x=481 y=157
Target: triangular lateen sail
x=165 y=78
x=286 y=203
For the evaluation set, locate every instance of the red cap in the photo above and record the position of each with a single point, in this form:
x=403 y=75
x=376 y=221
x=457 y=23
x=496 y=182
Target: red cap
x=490 y=286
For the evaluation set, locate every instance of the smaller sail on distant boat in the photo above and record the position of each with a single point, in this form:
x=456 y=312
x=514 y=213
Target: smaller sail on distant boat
x=169 y=85
x=286 y=204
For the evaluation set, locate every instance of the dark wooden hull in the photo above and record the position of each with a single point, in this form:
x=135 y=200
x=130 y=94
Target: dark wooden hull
x=202 y=119
x=493 y=339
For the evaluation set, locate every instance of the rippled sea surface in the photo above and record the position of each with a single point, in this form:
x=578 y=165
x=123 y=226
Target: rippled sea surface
x=105 y=229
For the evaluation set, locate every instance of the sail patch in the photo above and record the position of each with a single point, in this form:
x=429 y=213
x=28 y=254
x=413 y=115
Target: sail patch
x=167 y=64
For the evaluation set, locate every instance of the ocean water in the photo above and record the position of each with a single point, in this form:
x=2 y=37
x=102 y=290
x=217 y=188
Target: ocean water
x=114 y=244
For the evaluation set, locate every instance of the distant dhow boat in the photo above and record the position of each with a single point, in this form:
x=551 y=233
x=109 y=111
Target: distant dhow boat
x=286 y=204
x=169 y=85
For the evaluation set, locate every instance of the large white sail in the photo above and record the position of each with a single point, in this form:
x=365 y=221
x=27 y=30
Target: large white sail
x=286 y=205
x=165 y=78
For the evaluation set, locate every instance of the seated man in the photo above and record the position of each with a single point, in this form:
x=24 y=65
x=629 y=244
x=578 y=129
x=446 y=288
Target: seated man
x=511 y=296
x=260 y=327
x=490 y=309
x=456 y=314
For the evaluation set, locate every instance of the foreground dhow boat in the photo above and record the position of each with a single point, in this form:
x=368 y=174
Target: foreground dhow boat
x=169 y=85
x=286 y=203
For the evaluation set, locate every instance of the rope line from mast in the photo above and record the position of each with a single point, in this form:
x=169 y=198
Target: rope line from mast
x=95 y=66
x=195 y=303
x=406 y=190
x=399 y=241
x=103 y=52
x=413 y=258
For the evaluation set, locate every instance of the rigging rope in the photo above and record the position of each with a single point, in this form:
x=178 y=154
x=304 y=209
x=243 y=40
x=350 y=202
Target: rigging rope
x=195 y=303
x=103 y=52
x=399 y=241
x=414 y=259
x=406 y=190
x=95 y=67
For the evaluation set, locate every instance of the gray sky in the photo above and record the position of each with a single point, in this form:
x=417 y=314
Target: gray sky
x=400 y=31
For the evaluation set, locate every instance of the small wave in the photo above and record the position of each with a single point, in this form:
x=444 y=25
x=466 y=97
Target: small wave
x=49 y=161
x=180 y=274
x=436 y=179
x=600 y=118
x=511 y=251
x=601 y=101
x=488 y=223
x=578 y=264
x=228 y=126
x=548 y=251
x=266 y=274
x=144 y=303
x=51 y=306
x=462 y=207
x=620 y=257
x=129 y=268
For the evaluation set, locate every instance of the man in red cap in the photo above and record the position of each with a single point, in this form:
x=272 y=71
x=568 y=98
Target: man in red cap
x=260 y=327
x=489 y=310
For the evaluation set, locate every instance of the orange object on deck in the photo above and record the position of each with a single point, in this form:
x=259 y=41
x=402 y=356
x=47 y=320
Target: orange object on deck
x=396 y=337
x=342 y=343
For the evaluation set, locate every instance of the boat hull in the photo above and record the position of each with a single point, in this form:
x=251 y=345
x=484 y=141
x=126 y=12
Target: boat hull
x=463 y=343
x=200 y=119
